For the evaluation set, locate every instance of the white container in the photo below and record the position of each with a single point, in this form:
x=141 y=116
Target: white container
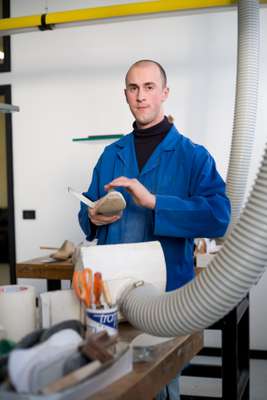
x=98 y=320
x=17 y=310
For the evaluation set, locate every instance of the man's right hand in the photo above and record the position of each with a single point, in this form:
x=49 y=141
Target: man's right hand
x=100 y=219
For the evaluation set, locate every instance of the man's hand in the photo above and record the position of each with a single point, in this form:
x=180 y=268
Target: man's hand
x=140 y=194
x=100 y=219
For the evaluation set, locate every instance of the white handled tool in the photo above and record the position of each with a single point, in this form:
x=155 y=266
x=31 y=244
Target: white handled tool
x=110 y=204
x=81 y=197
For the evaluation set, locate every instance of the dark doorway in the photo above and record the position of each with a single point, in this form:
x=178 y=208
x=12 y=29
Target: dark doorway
x=7 y=225
x=5 y=64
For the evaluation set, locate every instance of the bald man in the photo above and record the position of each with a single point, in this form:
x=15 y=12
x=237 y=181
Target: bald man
x=171 y=186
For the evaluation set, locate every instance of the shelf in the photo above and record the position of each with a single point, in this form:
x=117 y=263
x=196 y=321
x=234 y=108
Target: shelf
x=97 y=137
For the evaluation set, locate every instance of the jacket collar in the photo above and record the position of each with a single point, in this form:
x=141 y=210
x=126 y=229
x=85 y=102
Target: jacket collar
x=125 y=148
x=126 y=144
x=168 y=143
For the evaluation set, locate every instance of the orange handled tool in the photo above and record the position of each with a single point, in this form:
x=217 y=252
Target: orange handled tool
x=98 y=287
x=82 y=284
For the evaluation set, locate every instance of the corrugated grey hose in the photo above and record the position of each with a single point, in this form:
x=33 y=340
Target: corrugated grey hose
x=228 y=278
x=245 y=106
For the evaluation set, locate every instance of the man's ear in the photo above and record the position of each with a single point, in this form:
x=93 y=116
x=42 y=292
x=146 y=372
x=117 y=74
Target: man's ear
x=165 y=93
x=125 y=93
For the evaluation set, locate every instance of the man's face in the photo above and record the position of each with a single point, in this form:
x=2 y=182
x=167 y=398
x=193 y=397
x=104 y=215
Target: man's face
x=145 y=94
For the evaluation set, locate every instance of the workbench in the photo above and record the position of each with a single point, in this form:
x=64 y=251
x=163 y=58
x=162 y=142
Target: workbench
x=234 y=352
x=234 y=370
x=38 y=268
x=147 y=378
x=234 y=326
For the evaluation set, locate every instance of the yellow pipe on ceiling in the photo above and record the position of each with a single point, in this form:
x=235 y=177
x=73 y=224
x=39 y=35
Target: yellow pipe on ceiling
x=133 y=9
x=7 y=25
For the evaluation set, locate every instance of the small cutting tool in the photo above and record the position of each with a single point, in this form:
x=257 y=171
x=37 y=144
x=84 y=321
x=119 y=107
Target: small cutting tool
x=82 y=284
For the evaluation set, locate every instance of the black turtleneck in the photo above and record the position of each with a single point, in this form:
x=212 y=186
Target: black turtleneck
x=146 y=140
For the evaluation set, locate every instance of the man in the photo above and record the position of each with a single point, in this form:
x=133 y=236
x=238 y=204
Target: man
x=171 y=186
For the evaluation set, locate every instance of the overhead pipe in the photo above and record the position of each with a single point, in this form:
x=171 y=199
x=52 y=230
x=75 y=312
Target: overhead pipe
x=239 y=264
x=49 y=21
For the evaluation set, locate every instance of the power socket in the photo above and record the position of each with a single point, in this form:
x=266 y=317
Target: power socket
x=28 y=214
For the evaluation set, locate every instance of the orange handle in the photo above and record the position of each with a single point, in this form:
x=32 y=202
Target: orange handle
x=98 y=287
x=88 y=278
x=82 y=284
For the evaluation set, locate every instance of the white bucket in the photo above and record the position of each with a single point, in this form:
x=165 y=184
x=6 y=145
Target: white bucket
x=17 y=310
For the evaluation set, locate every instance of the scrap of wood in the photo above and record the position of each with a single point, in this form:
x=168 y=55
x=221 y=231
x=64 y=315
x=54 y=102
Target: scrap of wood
x=96 y=346
x=72 y=378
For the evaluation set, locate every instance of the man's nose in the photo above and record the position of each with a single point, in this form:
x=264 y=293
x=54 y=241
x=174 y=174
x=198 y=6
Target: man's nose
x=140 y=95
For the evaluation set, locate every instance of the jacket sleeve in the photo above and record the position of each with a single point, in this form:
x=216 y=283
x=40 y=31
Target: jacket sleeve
x=93 y=194
x=205 y=212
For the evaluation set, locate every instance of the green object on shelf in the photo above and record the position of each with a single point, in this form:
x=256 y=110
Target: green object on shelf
x=6 y=346
x=97 y=137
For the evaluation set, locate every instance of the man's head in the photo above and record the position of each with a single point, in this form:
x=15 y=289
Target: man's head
x=146 y=90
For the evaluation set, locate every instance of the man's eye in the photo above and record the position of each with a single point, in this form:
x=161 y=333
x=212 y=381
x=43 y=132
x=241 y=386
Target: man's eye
x=150 y=87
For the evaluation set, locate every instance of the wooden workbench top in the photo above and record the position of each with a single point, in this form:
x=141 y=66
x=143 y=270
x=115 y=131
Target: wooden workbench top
x=40 y=268
x=147 y=378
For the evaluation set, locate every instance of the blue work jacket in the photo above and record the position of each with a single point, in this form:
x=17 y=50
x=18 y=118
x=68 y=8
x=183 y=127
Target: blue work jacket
x=190 y=200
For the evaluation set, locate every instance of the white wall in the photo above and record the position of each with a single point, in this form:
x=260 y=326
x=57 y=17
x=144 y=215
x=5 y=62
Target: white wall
x=69 y=83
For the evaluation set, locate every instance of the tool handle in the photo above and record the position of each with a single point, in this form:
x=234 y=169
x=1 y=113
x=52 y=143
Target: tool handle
x=48 y=248
x=98 y=287
x=81 y=197
x=106 y=293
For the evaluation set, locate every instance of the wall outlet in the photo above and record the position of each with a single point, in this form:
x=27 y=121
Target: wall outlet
x=28 y=214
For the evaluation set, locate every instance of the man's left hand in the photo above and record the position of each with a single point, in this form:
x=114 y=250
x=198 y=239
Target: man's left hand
x=139 y=192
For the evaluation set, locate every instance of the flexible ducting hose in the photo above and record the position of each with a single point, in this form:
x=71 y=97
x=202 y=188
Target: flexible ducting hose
x=241 y=261
x=213 y=293
x=245 y=106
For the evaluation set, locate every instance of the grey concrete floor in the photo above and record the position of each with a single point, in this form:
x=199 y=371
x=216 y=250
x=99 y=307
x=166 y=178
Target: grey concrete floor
x=212 y=387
